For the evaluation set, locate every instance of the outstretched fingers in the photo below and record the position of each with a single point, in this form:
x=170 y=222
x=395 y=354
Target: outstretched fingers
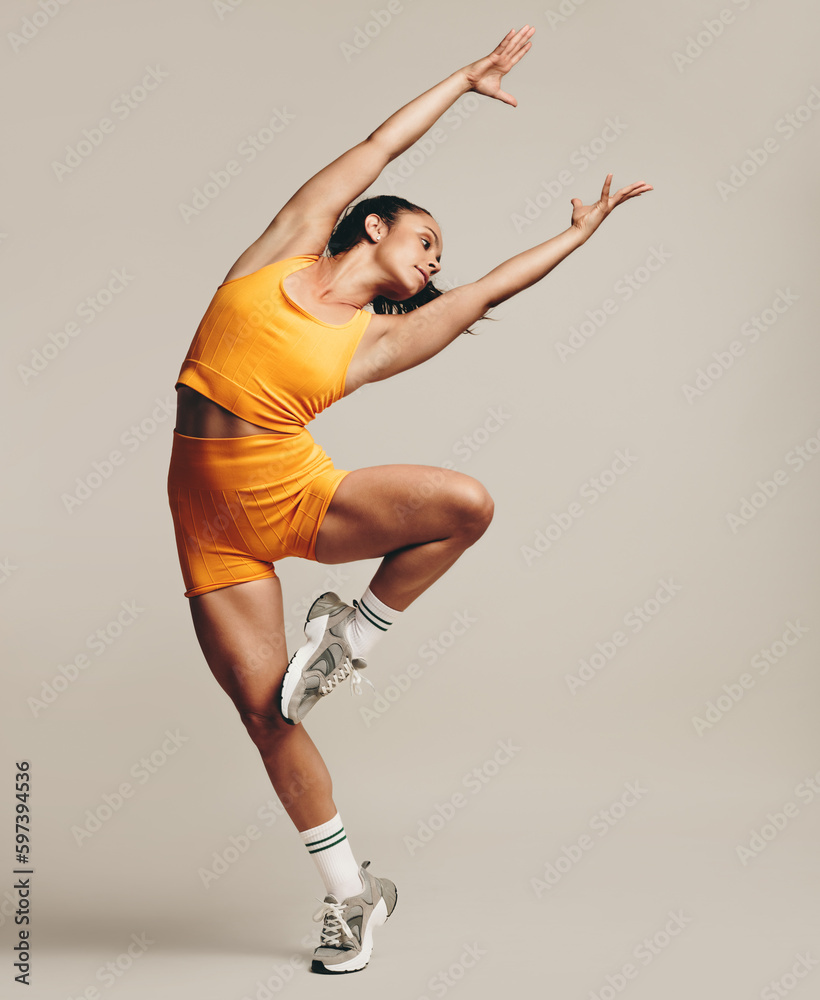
x=632 y=191
x=485 y=75
x=515 y=44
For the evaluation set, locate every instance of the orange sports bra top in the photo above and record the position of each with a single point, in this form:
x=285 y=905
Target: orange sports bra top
x=263 y=357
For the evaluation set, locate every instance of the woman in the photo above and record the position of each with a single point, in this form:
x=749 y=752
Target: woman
x=286 y=335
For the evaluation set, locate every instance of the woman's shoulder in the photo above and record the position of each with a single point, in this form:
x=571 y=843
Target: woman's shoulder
x=248 y=268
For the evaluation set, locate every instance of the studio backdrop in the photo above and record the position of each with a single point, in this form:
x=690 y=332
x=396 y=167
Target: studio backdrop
x=591 y=764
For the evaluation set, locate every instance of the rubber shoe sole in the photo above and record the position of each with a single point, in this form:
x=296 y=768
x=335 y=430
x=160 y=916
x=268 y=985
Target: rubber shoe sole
x=315 y=633
x=381 y=913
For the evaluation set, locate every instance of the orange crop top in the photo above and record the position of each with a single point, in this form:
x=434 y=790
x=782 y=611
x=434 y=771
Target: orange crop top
x=263 y=357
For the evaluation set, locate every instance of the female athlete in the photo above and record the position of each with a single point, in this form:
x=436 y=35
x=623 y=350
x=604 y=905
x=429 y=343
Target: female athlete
x=285 y=336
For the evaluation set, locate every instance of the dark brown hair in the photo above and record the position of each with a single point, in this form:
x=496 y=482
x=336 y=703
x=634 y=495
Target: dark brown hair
x=349 y=232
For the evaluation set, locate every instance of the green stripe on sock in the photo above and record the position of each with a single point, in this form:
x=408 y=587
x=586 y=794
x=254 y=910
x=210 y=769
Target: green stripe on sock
x=335 y=842
x=370 y=615
x=313 y=843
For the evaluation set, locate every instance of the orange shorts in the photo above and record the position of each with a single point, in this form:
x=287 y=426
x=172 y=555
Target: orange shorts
x=241 y=504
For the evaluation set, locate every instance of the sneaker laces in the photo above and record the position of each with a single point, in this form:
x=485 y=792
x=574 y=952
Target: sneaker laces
x=356 y=681
x=346 y=669
x=334 y=924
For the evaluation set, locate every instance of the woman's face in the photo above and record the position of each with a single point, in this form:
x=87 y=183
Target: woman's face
x=409 y=253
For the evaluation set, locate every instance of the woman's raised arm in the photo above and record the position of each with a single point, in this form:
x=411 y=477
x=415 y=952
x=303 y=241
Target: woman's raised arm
x=410 y=123
x=311 y=213
x=417 y=336
x=523 y=270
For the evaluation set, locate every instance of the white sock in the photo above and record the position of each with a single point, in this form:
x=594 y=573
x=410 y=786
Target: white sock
x=328 y=846
x=373 y=619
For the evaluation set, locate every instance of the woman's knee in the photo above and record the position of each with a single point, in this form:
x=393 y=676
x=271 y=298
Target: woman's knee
x=266 y=730
x=475 y=507
x=291 y=765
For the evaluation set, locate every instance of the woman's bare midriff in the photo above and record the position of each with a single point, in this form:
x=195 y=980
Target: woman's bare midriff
x=198 y=416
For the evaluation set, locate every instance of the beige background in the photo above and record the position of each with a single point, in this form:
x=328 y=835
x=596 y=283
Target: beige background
x=727 y=258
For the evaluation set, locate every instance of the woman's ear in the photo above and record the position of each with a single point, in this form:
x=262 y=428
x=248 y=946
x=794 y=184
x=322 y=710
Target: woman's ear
x=373 y=226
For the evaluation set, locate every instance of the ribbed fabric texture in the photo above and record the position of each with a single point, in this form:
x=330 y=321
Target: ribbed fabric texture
x=373 y=619
x=263 y=357
x=328 y=846
x=241 y=504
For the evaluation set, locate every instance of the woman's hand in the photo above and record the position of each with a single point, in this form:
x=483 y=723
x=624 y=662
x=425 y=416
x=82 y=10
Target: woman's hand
x=485 y=75
x=587 y=218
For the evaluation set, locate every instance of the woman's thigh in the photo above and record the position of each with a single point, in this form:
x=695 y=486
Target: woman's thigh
x=380 y=509
x=241 y=630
